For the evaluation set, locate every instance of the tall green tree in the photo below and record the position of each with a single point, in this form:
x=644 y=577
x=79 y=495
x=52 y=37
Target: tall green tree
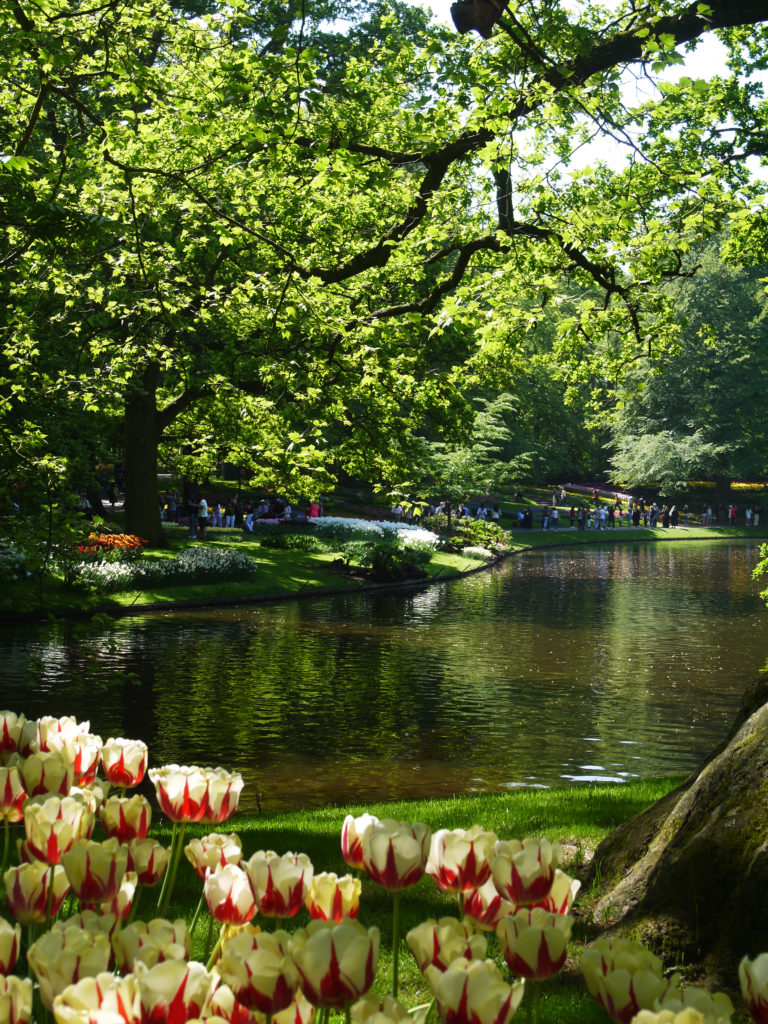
x=198 y=203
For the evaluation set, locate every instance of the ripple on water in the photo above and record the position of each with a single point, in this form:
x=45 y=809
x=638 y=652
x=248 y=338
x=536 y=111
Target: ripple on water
x=509 y=678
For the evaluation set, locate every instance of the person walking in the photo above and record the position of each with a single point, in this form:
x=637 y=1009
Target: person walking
x=202 y=518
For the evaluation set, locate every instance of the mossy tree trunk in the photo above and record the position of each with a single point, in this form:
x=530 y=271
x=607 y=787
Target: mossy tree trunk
x=689 y=875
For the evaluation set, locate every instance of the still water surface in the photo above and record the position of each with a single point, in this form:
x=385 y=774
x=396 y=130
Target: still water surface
x=558 y=667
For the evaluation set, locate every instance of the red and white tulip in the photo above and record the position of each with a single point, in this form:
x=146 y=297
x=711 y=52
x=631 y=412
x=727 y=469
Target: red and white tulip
x=229 y=895
x=259 y=970
x=126 y=818
x=460 y=859
x=124 y=761
x=331 y=898
x=535 y=942
x=27 y=890
x=280 y=883
x=523 y=872
x=95 y=870
x=395 y=853
x=336 y=962
x=473 y=992
x=439 y=943
x=212 y=852
x=152 y=942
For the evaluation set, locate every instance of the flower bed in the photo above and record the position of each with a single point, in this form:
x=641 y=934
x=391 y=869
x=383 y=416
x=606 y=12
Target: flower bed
x=77 y=899
x=194 y=565
x=343 y=528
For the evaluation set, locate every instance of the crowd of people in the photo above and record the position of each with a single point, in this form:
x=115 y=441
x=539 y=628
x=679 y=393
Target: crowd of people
x=198 y=514
x=600 y=515
x=414 y=511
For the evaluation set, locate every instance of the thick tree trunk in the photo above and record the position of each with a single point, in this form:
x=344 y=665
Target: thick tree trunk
x=142 y=436
x=689 y=874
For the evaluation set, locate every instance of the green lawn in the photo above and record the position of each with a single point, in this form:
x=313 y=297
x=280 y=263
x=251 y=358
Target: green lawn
x=524 y=539
x=576 y=816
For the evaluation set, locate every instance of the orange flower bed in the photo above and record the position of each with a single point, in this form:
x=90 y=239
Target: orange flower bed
x=126 y=542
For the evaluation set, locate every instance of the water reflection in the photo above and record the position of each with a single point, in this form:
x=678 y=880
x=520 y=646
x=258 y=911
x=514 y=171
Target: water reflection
x=557 y=667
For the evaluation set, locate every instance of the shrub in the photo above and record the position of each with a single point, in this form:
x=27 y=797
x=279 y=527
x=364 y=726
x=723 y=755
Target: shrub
x=294 y=542
x=439 y=523
x=480 y=533
x=13 y=564
x=388 y=556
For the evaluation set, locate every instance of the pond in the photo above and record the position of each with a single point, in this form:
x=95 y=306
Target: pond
x=558 y=667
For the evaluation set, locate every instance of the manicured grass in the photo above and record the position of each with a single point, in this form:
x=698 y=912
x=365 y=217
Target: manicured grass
x=576 y=816
x=564 y=535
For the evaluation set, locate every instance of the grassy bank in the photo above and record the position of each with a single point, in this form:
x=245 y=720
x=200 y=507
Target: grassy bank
x=525 y=539
x=286 y=573
x=281 y=574
x=575 y=816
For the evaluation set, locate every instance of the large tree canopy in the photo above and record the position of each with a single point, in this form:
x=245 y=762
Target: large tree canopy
x=315 y=238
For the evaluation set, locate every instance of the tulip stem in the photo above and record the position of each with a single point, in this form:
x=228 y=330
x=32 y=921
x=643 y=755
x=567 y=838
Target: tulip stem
x=196 y=915
x=6 y=846
x=536 y=1001
x=395 y=939
x=462 y=903
x=135 y=904
x=174 y=867
x=216 y=948
x=49 y=897
x=347 y=1015
x=209 y=936
x=167 y=870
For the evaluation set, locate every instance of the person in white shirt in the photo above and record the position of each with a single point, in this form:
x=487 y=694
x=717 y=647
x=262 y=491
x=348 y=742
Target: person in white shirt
x=202 y=518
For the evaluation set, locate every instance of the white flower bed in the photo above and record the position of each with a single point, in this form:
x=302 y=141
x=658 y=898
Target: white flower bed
x=477 y=552
x=195 y=565
x=407 y=533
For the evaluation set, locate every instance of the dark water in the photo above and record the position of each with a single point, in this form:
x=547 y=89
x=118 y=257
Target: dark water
x=555 y=668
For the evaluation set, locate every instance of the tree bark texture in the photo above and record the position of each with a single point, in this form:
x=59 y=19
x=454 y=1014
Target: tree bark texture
x=689 y=875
